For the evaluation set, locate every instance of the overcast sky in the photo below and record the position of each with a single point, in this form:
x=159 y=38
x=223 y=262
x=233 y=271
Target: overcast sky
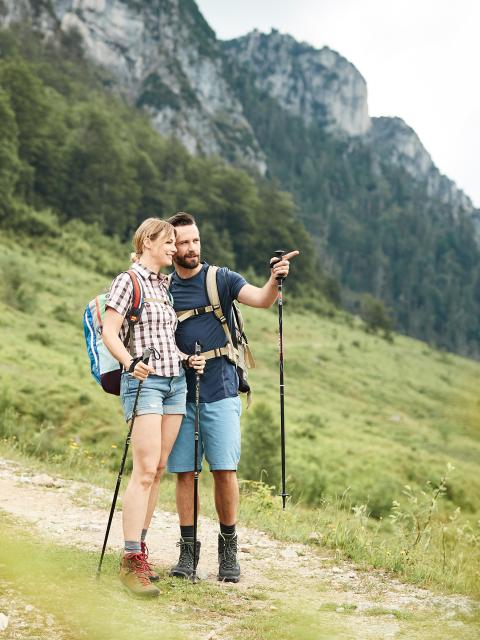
x=420 y=58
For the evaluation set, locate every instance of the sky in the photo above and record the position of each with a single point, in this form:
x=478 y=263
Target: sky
x=420 y=59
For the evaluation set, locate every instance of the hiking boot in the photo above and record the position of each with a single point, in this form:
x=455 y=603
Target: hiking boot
x=184 y=566
x=228 y=567
x=151 y=573
x=134 y=575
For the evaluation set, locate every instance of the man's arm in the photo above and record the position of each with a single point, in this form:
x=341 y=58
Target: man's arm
x=264 y=297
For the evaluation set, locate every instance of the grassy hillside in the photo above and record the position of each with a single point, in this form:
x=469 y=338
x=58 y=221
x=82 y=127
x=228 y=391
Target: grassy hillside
x=365 y=416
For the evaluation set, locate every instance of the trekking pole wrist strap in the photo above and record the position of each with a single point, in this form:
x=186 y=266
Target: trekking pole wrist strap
x=133 y=364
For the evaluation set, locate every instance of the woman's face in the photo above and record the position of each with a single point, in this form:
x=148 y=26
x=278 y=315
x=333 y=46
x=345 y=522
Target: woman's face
x=163 y=249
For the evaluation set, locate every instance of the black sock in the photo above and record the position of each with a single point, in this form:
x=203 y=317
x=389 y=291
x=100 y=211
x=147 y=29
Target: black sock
x=187 y=531
x=228 y=529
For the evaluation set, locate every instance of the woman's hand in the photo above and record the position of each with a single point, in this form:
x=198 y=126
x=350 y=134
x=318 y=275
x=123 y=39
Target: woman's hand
x=197 y=363
x=142 y=370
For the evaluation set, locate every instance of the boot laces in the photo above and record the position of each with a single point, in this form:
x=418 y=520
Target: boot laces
x=145 y=556
x=139 y=566
x=230 y=553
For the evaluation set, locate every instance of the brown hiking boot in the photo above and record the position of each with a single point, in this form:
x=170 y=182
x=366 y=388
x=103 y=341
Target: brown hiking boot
x=151 y=573
x=134 y=570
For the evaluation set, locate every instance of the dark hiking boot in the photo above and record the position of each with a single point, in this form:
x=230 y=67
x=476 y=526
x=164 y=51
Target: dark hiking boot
x=134 y=576
x=151 y=573
x=184 y=566
x=228 y=567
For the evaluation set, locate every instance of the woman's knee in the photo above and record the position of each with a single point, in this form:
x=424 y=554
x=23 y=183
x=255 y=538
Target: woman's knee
x=145 y=477
x=162 y=467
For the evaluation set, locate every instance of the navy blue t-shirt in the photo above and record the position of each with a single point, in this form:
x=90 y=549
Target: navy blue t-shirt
x=219 y=379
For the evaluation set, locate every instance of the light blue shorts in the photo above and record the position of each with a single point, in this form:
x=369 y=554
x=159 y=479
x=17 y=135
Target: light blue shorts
x=219 y=437
x=159 y=394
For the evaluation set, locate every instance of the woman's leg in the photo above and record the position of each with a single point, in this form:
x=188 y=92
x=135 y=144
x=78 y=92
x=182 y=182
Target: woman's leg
x=146 y=454
x=170 y=428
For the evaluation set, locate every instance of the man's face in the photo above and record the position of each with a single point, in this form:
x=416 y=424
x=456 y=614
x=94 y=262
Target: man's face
x=188 y=246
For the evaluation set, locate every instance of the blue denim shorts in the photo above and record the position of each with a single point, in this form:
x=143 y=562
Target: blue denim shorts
x=219 y=437
x=159 y=394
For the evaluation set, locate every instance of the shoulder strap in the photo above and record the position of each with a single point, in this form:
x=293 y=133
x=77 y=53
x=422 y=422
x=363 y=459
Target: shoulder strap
x=214 y=299
x=135 y=310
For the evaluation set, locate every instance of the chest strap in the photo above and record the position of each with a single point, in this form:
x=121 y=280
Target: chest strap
x=199 y=311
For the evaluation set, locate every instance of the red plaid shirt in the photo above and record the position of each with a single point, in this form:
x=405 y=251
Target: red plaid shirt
x=157 y=323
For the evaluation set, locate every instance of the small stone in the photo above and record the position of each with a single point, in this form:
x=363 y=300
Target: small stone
x=89 y=527
x=314 y=536
x=336 y=570
x=352 y=575
x=50 y=620
x=44 y=480
x=289 y=553
x=29 y=607
x=3 y=622
x=245 y=549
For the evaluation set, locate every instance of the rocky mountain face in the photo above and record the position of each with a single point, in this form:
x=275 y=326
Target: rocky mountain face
x=164 y=58
x=322 y=88
x=398 y=144
x=319 y=86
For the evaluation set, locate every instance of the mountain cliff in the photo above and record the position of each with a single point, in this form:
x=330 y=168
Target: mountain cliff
x=163 y=57
x=382 y=217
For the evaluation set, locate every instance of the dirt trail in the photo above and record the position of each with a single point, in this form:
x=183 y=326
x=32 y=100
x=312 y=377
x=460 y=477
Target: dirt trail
x=74 y=513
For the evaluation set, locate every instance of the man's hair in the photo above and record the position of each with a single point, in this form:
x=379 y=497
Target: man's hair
x=181 y=219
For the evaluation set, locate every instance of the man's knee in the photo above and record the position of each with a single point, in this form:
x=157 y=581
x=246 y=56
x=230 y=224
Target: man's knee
x=185 y=479
x=222 y=478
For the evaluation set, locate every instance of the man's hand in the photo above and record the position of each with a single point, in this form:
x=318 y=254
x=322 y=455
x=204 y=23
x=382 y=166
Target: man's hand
x=280 y=268
x=197 y=363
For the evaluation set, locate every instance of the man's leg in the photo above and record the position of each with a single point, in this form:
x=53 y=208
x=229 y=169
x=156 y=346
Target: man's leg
x=181 y=462
x=227 y=496
x=222 y=451
x=184 y=495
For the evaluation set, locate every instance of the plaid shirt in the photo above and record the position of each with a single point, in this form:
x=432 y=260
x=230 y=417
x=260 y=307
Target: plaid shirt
x=157 y=323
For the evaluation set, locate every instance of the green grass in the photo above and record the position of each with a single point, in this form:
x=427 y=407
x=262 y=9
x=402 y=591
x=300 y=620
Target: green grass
x=364 y=417
x=61 y=582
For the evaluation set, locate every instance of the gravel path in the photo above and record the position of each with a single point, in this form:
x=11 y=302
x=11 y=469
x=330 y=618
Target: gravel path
x=74 y=513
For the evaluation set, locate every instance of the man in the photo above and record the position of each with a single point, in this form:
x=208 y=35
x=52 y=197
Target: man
x=220 y=406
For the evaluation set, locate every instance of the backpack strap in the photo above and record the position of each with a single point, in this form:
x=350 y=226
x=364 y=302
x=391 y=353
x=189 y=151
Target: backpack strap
x=135 y=311
x=214 y=299
x=189 y=313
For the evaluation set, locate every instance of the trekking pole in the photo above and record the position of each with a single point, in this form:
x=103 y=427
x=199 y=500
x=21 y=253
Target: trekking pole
x=279 y=254
x=198 y=350
x=145 y=358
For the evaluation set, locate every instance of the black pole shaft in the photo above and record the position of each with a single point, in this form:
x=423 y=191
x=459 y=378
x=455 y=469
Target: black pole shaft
x=282 y=390
x=195 y=465
x=145 y=358
x=284 y=493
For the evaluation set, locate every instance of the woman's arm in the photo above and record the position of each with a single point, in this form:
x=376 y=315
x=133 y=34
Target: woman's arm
x=112 y=324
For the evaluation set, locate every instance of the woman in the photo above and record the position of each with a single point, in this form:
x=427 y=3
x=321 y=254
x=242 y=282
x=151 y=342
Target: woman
x=161 y=403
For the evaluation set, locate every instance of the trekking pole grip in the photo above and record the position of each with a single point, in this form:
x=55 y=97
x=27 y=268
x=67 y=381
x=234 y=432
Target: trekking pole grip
x=279 y=253
x=147 y=352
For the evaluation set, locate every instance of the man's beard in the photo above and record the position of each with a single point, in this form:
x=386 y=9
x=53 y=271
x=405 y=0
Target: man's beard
x=187 y=262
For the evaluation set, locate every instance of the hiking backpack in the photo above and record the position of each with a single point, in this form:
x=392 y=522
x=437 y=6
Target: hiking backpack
x=237 y=349
x=103 y=366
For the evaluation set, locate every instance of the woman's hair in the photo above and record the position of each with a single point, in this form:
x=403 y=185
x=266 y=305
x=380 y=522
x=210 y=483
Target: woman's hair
x=150 y=228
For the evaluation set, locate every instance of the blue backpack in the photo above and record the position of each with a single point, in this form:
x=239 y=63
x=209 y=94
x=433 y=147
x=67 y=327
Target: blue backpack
x=103 y=366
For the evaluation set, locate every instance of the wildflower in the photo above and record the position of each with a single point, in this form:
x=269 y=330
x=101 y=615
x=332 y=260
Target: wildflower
x=114 y=446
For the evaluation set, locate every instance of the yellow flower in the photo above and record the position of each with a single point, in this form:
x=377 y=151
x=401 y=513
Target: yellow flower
x=114 y=446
